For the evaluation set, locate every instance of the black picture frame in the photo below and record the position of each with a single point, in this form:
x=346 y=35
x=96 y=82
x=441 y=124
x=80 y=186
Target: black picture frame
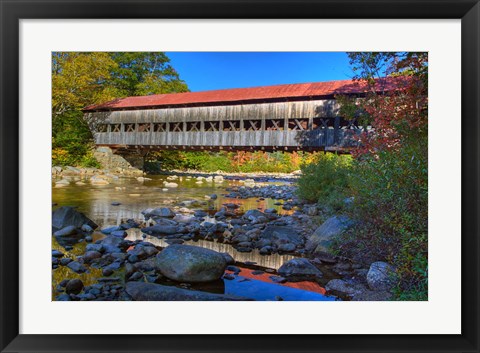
x=12 y=11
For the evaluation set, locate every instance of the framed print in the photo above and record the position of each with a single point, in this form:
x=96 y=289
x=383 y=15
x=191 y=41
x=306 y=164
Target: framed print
x=231 y=176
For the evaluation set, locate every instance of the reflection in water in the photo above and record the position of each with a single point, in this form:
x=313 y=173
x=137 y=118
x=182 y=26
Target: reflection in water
x=134 y=197
x=273 y=261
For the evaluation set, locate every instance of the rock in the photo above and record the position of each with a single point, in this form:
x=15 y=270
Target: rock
x=164 y=212
x=229 y=260
x=74 y=286
x=62 y=183
x=133 y=258
x=270 y=210
x=67 y=216
x=76 y=267
x=229 y=276
x=186 y=263
x=65 y=261
x=67 y=231
x=213 y=196
x=325 y=257
x=257 y=273
x=111 y=244
x=321 y=239
x=160 y=230
x=254 y=215
x=94 y=247
x=107 y=272
x=99 y=180
x=200 y=213
x=278 y=279
x=68 y=236
x=339 y=285
x=119 y=234
x=266 y=250
x=141 y=291
x=234 y=269
x=109 y=230
x=56 y=253
x=115 y=203
x=91 y=255
x=136 y=276
x=381 y=276
x=299 y=269
x=170 y=185
x=218 y=178
x=288 y=247
x=281 y=235
x=86 y=228
x=63 y=298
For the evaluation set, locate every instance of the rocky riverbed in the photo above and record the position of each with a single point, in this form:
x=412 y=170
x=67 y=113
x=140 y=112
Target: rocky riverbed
x=197 y=237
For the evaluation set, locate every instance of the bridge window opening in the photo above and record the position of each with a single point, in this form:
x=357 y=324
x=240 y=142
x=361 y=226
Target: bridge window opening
x=102 y=128
x=272 y=125
x=129 y=127
x=193 y=126
x=231 y=125
x=350 y=124
x=116 y=127
x=298 y=124
x=146 y=127
x=212 y=126
x=177 y=127
x=322 y=123
x=159 y=127
x=252 y=125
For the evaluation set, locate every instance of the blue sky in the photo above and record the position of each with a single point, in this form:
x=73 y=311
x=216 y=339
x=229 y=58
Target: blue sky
x=217 y=70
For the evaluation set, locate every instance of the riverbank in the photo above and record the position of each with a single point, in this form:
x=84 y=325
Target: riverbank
x=265 y=220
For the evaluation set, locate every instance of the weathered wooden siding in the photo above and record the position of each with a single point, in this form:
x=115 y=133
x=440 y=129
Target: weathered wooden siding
x=313 y=123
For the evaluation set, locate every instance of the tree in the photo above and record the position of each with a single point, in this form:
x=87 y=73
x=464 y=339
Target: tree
x=141 y=73
x=394 y=115
x=80 y=79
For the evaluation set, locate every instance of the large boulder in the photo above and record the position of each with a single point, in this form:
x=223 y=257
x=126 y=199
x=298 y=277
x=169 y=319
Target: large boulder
x=281 y=235
x=141 y=291
x=322 y=238
x=67 y=216
x=381 y=276
x=299 y=269
x=186 y=263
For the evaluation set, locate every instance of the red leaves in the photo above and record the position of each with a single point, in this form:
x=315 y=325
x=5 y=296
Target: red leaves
x=396 y=114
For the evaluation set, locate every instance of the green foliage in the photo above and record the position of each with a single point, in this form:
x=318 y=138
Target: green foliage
x=144 y=73
x=244 y=162
x=326 y=181
x=80 y=79
x=391 y=197
x=72 y=141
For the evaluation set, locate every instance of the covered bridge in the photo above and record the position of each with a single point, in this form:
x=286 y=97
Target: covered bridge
x=282 y=117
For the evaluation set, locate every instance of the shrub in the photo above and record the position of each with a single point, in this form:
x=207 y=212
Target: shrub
x=391 y=199
x=326 y=181
x=72 y=142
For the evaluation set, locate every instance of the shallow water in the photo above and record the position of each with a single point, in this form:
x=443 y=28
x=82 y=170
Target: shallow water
x=134 y=197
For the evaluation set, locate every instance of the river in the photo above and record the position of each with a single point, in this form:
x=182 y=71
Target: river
x=126 y=198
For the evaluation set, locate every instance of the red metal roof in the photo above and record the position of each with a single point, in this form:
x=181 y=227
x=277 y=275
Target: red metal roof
x=263 y=93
